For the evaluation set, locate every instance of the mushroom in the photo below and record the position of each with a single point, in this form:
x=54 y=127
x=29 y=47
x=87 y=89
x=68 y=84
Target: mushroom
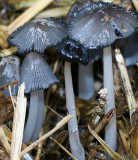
x=9 y=72
x=100 y=24
x=130 y=50
x=36 y=36
x=85 y=73
x=37 y=76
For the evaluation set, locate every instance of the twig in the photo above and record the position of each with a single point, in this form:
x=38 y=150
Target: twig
x=124 y=136
x=55 y=12
x=54 y=112
x=63 y=148
x=135 y=2
x=58 y=126
x=132 y=105
x=8 y=52
x=18 y=124
x=113 y=154
x=102 y=124
x=4 y=140
x=7 y=85
x=28 y=14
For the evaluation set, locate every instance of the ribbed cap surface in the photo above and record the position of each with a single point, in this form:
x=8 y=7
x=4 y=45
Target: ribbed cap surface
x=37 y=35
x=36 y=73
x=100 y=24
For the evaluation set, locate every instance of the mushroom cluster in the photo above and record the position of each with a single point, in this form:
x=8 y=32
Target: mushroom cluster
x=90 y=31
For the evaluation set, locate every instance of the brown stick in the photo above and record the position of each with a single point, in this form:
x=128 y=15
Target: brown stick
x=102 y=124
x=7 y=85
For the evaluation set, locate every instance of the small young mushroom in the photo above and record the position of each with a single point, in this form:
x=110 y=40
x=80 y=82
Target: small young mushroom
x=100 y=24
x=37 y=76
x=9 y=72
x=36 y=36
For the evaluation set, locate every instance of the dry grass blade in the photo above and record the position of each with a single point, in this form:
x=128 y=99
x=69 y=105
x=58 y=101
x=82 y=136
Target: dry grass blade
x=55 y=12
x=18 y=124
x=135 y=2
x=63 y=148
x=58 y=126
x=113 y=154
x=132 y=105
x=28 y=14
x=124 y=136
x=4 y=140
x=8 y=52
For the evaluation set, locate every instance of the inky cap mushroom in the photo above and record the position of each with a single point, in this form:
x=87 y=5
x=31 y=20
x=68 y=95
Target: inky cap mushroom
x=100 y=24
x=9 y=72
x=36 y=73
x=130 y=50
x=38 y=34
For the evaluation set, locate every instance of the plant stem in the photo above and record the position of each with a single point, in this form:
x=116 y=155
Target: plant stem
x=86 y=81
x=33 y=115
x=110 y=130
x=76 y=148
x=40 y=116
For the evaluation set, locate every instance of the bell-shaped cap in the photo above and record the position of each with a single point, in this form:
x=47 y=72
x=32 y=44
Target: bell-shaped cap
x=38 y=34
x=100 y=24
x=36 y=73
x=130 y=50
x=9 y=72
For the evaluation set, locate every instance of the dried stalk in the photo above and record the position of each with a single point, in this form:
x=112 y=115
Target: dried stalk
x=113 y=154
x=63 y=148
x=18 y=124
x=7 y=85
x=135 y=2
x=8 y=52
x=55 y=12
x=124 y=136
x=132 y=105
x=102 y=124
x=41 y=139
x=4 y=140
x=28 y=14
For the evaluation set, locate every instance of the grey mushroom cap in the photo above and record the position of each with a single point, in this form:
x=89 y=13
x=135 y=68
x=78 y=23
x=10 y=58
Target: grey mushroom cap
x=36 y=73
x=38 y=34
x=100 y=24
x=9 y=72
x=130 y=50
x=77 y=6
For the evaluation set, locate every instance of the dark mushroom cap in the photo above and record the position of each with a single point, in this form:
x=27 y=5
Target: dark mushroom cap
x=9 y=72
x=72 y=51
x=36 y=73
x=130 y=50
x=78 y=5
x=37 y=35
x=100 y=24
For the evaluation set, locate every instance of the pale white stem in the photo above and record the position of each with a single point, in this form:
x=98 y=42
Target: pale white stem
x=110 y=130
x=33 y=115
x=76 y=148
x=86 y=81
x=40 y=116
